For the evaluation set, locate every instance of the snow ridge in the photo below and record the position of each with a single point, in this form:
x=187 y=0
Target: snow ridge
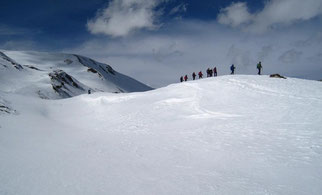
x=225 y=135
x=57 y=75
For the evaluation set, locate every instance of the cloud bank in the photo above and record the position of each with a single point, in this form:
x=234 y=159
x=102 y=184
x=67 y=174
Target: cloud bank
x=185 y=46
x=122 y=17
x=275 y=13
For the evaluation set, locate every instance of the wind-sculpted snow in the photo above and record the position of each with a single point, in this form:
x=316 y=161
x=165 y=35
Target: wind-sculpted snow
x=224 y=135
x=32 y=75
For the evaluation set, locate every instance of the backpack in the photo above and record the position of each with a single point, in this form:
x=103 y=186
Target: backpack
x=259 y=66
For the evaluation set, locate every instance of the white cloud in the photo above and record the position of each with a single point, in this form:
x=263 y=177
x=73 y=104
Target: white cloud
x=274 y=13
x=122 y=17
x=240 y=56
x=19 y=45
x=181 y=8
x=290 y=56
x=265 y=52
x=161 y=57
x=235 y=15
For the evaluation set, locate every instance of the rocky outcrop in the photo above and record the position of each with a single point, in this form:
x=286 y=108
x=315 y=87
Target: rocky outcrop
x=10 y=61
x=5 y=108
x=68 y=61
x=32 y=67
x=91 y=64
x=277 y=76
x=65 y=85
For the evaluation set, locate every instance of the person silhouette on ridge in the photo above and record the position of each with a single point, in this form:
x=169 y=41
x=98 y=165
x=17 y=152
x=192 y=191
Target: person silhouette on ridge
x=259 y=67
x=215 y=72
x=232 y=68
x=185 y=77
x=194 y=75
x=200 y=75
x=210 y=72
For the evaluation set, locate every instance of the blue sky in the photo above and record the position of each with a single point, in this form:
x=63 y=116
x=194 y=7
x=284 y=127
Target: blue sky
x=49 y=25
x=157 y=41
x=57 y=24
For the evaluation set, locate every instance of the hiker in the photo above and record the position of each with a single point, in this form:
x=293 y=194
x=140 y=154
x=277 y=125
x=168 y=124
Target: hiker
x=181 y=79
x=186 y=78
x=89 y=91
x=259 y=67
x=210 y=72
x=200 y=75
x=194 y=75
x=232 y=68
x=215 y=72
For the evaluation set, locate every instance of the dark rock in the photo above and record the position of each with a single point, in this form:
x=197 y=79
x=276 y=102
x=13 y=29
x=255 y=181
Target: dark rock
x=68 y=61
x=91 y=70
x=6 y=109
x=107 y=68
x=14 y=64
x=277 y=76
x=65 y=85
x=42 y=95
x=110 y=69
x=32 y=67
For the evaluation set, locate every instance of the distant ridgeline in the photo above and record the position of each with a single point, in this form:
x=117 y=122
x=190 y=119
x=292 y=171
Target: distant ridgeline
x=58 y=75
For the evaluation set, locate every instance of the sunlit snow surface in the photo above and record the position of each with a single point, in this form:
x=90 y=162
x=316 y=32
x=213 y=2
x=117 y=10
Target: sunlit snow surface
x=224 y=135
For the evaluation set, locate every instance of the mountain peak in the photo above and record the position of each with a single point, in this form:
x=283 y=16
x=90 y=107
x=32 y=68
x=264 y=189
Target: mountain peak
x=55 y=75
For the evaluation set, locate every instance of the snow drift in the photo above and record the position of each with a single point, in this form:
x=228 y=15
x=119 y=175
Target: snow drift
x=224 y=135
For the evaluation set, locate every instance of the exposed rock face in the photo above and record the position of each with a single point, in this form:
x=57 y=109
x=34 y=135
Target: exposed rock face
x=32 y=67
x=103 y=67
x=65 y=85
x=68 y=61
x=11 y=61
x=5 y=108
x=277 y=76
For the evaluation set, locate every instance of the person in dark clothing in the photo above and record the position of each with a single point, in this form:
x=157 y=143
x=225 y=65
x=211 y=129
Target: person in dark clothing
x=215 y=72
x=186 y=78
x=194 y=75
x=259 y=67
x=232 y=68
x=210 y=72
x=89 y=91
x=181 y=79
x=200 y=75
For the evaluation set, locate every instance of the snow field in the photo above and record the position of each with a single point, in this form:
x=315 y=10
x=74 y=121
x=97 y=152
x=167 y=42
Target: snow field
x=224 y=135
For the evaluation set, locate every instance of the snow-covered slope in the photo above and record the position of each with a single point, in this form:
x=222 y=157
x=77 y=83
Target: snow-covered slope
x=224 y=135
x=32 y=73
